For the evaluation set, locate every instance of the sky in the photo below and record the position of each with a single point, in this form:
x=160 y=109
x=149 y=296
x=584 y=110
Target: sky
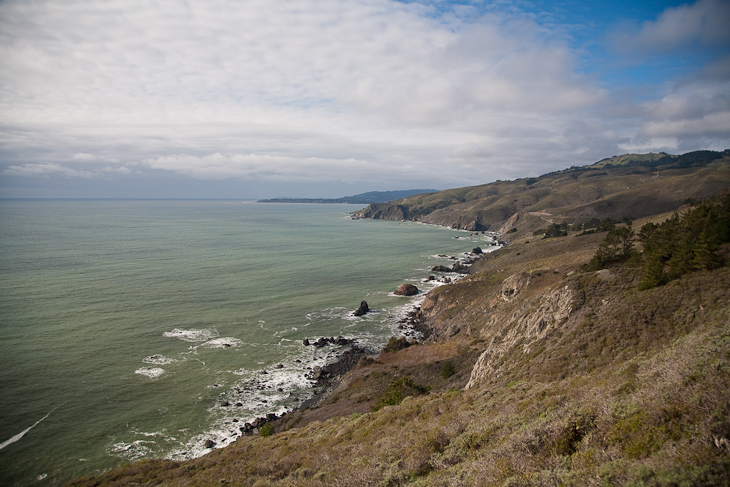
x=254 y=99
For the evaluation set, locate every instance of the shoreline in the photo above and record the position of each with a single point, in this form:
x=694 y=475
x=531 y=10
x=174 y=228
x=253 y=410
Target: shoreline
x=413 y=325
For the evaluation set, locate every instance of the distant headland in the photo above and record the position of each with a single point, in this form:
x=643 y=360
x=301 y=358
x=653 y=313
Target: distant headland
x=363 y=198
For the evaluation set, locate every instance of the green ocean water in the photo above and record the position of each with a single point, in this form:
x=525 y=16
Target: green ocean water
x=127 y=325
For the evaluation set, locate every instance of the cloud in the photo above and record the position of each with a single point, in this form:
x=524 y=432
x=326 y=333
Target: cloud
x=45 y=170
x=307 y=91
x=703 y=23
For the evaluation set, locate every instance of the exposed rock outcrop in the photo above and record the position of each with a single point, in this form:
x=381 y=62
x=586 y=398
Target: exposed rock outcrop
x=513 y=285
x=531 y=321
x=406 y=290
x=363 y=309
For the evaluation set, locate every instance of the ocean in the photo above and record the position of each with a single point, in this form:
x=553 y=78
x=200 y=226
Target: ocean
x=140 y=329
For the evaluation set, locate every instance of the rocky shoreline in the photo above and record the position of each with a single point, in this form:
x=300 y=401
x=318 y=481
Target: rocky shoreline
x=327 y=378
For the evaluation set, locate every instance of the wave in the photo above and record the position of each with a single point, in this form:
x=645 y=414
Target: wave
x=151 y=372
x=23 y=433
x=192 y=335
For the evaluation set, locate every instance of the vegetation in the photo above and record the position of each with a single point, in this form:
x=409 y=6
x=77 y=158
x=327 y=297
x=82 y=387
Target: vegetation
x=686 y=243
x=682 y=244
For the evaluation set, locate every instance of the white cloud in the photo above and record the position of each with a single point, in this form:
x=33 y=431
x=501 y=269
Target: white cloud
x=46 y=170
x=304 y=90
x=704 y=22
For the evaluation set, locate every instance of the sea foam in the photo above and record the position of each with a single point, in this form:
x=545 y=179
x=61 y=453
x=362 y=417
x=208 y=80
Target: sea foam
x=151 y=372
x=192 y=335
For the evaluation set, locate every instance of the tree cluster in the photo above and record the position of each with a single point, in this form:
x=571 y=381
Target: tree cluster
x=685 y=243
x=682 y=244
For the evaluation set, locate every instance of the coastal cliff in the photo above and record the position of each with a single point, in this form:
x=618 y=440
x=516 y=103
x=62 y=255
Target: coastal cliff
x=543 y=366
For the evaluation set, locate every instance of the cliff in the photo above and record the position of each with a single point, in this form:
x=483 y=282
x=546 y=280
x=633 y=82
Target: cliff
x=537 y=371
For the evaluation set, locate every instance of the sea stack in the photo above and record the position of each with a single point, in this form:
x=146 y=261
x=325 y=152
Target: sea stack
x=362 y=309
x=406 y=290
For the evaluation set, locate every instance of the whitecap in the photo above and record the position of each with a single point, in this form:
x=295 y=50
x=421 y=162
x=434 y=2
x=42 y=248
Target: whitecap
x=151 y=372
x=192 y=335
x=225 y=342
x=157 y=359
x=132 y=451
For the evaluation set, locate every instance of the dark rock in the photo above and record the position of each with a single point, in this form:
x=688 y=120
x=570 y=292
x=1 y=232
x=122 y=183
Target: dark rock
x=441 y=268
x=225 y=403
x=406 y=290
x=460 y=268
x=362 y=309
x=305 y=342
x=209 y=444
x=476 y=250
x=280 y=366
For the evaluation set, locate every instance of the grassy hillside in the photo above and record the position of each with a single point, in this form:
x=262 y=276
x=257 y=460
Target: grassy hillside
x=624 y=186
x=538 y=372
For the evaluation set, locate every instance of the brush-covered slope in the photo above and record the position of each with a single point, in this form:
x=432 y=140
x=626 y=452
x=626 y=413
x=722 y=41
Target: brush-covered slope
x=634 y=186
x=540 y=372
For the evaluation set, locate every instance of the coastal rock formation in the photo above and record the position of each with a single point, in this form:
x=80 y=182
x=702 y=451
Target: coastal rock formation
x=324 y=341
x=531 y=321
x=441 y=268
x=460 y=268
x=406 y=290
x=513 y=285
x=362 y=309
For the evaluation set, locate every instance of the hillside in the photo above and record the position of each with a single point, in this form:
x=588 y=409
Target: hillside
x=538 y=370
x=633 y=185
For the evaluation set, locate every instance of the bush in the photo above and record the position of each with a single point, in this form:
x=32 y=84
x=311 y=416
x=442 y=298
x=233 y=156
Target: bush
x=397 y=390
x=447 y=370
x=395 y=344
x=266 y=430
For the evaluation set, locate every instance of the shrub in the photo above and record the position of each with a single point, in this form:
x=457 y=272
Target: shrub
x=447 y=370
x=397 y=390
x=395 y=344
x=266 y=430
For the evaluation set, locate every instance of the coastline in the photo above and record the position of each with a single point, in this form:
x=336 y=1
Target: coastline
x=412 y=326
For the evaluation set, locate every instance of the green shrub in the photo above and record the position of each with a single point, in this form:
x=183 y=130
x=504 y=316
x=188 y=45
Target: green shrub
x=397 y=390
x=266 y=430
x=447 y=370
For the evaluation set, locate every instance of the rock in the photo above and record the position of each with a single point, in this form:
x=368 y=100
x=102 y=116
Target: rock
x=280 y=366
x=209 y=444
x=460 y=268
x=305 y=342
x=406 y=290
x=317 y=373
x=513 y=285
x=476 y=250
x=225 y=404
x=441 y=268
x=362 y=309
